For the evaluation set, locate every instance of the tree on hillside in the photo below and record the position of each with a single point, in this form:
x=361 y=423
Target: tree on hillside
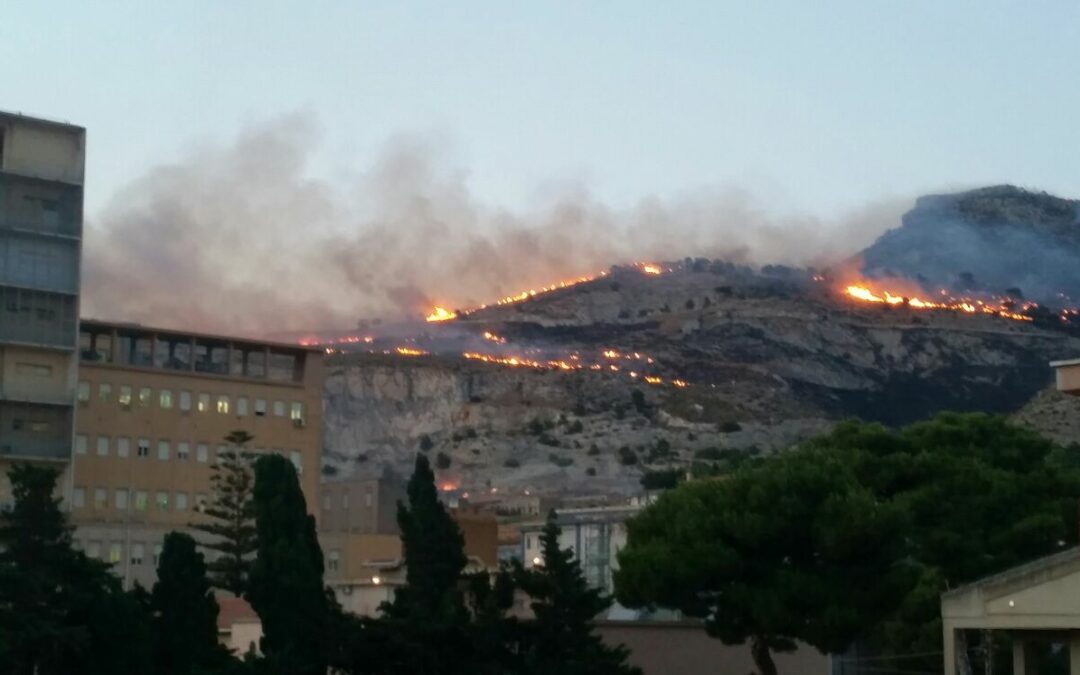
x=560 y=639
x=793 y=549
x=60 y=612
x=231 y=515
x=185 y=611
x=285 y=584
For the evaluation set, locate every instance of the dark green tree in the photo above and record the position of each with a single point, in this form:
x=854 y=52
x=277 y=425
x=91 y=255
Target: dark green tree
x=230 y=515
x=560 y=639
x=791 y=549
x=60 y=612
x=285 y=585
x=185 y=611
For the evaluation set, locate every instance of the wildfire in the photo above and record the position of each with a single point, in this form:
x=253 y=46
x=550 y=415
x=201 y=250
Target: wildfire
x=969 y=306
x=650 y=268
x=411 y=351
x=494 y=338
x=441 y=314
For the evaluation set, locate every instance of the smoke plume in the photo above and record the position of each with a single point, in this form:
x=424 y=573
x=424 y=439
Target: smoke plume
x=242 y=239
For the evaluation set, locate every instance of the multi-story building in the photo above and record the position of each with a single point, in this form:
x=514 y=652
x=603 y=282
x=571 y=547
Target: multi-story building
x=41 y=198
x=153 y=409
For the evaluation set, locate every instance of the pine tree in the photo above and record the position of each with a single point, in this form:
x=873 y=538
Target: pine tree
x=231 y=513
x=185 y=611
x=285 y=584
x=560 y=639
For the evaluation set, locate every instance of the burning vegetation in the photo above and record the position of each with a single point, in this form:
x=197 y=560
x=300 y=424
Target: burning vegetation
x=1006 y=308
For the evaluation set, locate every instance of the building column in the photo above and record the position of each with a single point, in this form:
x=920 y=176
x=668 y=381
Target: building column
x=949 y=635
x=1019 y=662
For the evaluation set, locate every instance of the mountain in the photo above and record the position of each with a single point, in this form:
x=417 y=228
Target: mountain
x=586 y=387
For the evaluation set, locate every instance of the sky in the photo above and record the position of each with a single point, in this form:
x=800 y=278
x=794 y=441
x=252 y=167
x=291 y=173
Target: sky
x=816 y=106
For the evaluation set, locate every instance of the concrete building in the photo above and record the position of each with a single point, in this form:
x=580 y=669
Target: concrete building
x=1068 y=375
x=361 y=505
x=153 y=409
x=41 y=204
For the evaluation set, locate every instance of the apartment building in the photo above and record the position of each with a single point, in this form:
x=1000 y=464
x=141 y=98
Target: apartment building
x=41 y=204
x=153 y=409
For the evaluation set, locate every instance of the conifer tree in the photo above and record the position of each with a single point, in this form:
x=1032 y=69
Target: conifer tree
x=285 y=585
x=561 y=639
x=231 y=515
x=185 y=611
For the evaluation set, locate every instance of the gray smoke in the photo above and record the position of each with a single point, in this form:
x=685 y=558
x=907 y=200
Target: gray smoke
x=242 y=239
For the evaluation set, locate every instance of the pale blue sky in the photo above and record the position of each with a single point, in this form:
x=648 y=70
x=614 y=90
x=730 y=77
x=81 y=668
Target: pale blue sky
x=819 y=105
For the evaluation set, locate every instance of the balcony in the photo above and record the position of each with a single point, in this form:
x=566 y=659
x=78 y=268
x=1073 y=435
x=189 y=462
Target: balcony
x=39 y=318
x=35 y=432
x=47 y=264
x=40 y=207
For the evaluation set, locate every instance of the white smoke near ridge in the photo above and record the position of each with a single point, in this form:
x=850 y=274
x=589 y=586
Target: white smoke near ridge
x=240 y=239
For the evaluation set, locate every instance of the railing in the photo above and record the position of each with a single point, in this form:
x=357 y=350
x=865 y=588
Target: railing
x=25 y=448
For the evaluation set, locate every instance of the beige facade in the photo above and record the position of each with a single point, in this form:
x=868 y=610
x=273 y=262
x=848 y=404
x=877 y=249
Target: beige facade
x=361 y=506
x=41 y=197
x=1068 y=375
x=153 y=409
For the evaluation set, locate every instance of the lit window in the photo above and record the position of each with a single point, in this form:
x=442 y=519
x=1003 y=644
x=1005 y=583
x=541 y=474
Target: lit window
x=103 y=446
x=333 y=561
x=163 y=501
x=120 y=498
x=165 y=399
x=297 y=461
x=104 y=392
x=101 y=498
x=80 y=444
x=183 y=450
x=83 y=391
x=157 y=554
x=123 y=446
x=141 y=500
x=137 y=553
x=93 y=549
x=78 y=497
x=296 y=411
x=163 y=450
x=279 y=408
x=241 y=406
x=115 y=552
x=181 y=501
x=185 y=400
x=202 y=453
x=223 y=404
x=204 y=402
x=124 y=399
x=144 y=397
x=144 y=447
x=260 y=407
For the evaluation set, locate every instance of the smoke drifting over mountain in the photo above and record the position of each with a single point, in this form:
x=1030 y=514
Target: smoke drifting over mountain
x=242 y=239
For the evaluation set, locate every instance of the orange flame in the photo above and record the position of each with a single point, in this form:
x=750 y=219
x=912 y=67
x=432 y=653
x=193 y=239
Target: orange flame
x=410 y=351
x=440 y=314
x=969 y=306
x=650 y=268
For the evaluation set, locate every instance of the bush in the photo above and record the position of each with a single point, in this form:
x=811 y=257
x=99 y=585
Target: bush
x=729 y=427
x=709 y=453
x=576 y=428
x=627 y=456
x=579 y=409
x=511 y=463
x=662 y=480
x=470 y=433
x=535 y=427
x=426 y=443
x=551 y=441
x=594 y=449
x=560 y=461
x=442 y=461
x=637 y=397
x=591 y=471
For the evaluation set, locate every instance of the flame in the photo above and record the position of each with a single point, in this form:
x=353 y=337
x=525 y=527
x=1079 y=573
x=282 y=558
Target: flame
x=440 y=314
x=966 y=305
x=650 y=268
x=410 y=351
x=494 y=338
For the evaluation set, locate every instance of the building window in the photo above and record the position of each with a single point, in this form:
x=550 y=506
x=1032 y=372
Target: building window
x=181 y=501
x=116 y=552
x=204 y=402
x=81 y=443
x=183 y=450
x=103 y=446
x=297 y=461
x=104 y=392
x=165 y=399
x=141 y=500
x=144 y=397
x=137 y=553
x=157 y=554
x=345 y=501
x=123 y=446
x=279 y=408
x=260 y=407
x=163 y=501
x=83 y=392
x=202 y=453
x=241 y=406
x=93 y=549
x=185 y=400
x=367 y=499
x=120 y=498
x=101 y=498
x=326 y=503
x=296 y=411
x=78 y=497
x=144 y=447
x=223 y=404
x=125 y=396
x=333 y=561
x=163 y=450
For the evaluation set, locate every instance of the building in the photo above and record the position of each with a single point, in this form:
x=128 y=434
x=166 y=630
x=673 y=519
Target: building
x=361 y=505
x=153 y=407
x=1068 y=375
x=41 y=204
